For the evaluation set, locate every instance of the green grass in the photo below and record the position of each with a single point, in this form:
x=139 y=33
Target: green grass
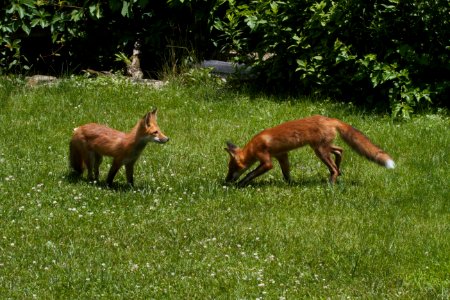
x=181 y=234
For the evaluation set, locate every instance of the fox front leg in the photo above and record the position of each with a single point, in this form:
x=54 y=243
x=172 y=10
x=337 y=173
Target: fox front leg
x=129 y=169
x=261 y=169
x=112 y=172
x=283 y=159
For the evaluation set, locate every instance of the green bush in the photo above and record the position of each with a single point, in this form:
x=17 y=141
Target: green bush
x=388 y=53
x=68 y=36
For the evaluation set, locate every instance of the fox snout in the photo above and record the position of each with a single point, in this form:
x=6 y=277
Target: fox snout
x=160 y=140
x=232 y=177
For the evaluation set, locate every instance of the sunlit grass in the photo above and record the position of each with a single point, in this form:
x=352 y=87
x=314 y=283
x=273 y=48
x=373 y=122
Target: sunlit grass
x=181 y=233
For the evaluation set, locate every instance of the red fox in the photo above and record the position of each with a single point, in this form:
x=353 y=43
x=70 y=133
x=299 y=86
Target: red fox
x=316 y=131
x=90 y=142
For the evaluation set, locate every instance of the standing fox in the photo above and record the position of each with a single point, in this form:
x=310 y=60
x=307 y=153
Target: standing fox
x=90 y=142
x=316 y=131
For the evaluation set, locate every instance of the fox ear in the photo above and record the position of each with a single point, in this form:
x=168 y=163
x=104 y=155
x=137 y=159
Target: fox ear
x=147 y=119
x=153 y=114
x=231 y=146
x=231 y=149
x=149 y=116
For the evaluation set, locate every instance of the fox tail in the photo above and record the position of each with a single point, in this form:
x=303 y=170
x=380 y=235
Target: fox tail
x=361 y=144
x=75 y=159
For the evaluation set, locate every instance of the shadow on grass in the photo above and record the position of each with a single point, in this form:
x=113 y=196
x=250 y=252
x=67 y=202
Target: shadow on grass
x=309 y=182
x=75 y=178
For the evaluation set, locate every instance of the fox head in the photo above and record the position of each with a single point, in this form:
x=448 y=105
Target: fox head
x=236 y=164
x=152 y=131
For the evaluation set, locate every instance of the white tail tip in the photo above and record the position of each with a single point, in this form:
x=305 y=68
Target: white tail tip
x=390 y=164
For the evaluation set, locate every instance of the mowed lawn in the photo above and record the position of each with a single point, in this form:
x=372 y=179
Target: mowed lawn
x=181 y=233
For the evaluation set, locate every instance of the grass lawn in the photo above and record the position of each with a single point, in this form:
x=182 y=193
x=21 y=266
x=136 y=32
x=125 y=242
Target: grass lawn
x=180 y=233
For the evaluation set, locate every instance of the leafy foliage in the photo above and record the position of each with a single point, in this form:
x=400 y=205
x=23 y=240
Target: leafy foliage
x=24 y=22
x=77 y=34
x=386 y=52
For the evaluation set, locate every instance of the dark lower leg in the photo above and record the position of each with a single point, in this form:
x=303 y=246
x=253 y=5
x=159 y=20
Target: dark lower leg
x=337 y=151
x=90 y=165
x=112 y=173
x=129 y=169
x=325 y=157
x=98 y=161
x=261 y=169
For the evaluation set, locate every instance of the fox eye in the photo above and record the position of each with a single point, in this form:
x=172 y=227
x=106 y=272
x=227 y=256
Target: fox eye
x=155 y=132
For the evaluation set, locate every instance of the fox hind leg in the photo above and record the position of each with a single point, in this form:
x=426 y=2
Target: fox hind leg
x=337 y=151
x=324 y=153
x=90 y=164
x=75 y=159
x=97 y=162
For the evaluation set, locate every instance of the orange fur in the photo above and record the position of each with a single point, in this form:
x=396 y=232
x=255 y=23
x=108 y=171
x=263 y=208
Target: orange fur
x=317 y=131
x=90 y=142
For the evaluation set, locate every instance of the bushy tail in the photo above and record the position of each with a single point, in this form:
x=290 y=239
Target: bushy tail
x=361 y=144
x=75 y=159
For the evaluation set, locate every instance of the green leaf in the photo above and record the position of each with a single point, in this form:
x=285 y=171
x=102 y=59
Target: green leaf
x=252 y=22
x=34 y=22
x=44 y=23
x=26 y=28
x=76 y=15
x=21 y=11
x=274 y=7
x=95 y=11
x=301 y=65
x=125 y=9
x=12 y=9
x=92 y=9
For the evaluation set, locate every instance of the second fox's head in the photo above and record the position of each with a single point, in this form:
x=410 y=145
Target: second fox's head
x=152 y=131
x=236 y=165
